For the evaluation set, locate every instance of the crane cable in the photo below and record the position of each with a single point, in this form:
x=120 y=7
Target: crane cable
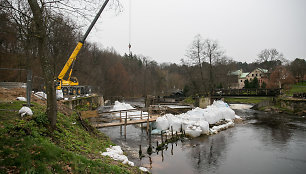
x=130 y=7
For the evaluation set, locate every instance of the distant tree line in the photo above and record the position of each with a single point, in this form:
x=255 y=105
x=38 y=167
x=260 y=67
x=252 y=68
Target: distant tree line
x=205 y=67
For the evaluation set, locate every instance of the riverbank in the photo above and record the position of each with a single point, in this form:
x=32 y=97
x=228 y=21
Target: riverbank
x=246 y=100
x=28 y=145
x=281 y=104
x=288 y=105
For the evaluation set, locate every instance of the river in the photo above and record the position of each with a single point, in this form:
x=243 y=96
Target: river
x=263 y=143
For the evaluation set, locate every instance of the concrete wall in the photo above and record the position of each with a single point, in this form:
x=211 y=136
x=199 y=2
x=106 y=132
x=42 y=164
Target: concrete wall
x=92 y=101
x=293 y=105
x=204 y=102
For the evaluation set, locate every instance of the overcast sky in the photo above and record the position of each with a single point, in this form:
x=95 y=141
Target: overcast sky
x=164 y=29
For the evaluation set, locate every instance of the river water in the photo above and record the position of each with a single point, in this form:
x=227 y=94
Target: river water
x=263 y=143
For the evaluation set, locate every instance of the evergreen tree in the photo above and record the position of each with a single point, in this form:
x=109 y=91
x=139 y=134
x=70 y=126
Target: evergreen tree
x=263 y=85
x=246 y=84
x=254 y=83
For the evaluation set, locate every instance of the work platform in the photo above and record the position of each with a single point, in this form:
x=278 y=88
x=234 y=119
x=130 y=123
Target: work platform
x=103 y=125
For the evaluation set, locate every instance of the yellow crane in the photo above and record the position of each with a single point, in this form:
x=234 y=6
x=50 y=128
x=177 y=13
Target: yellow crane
x=71 y=85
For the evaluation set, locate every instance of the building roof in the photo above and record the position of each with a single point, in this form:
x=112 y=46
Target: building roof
x=236 y=73
x=263 y=70
x=243 y=75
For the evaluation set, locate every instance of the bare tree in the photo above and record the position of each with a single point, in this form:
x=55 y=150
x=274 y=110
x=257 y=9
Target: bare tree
x=195 y=54
x=224 y=66
x=212 y=52
x=38 y=14
x=202 y=51
x=280 y=77
x=270 y=55
x=298 y=68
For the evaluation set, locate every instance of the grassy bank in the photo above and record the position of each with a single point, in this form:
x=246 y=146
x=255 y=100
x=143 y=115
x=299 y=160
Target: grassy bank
x=296 y=88
x=246 y=100
x=27 y=145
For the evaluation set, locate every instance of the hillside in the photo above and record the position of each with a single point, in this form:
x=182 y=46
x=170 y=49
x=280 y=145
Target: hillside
x=28 y=145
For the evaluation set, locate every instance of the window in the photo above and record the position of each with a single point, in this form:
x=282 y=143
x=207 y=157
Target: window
x=256 y=75
x=252 y=75
x=240 y=80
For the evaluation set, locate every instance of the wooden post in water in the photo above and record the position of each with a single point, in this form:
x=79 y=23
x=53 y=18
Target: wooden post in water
x=171 y=132
x=150 y=145
x=161 y=136
x=140 y=152
x=141 y=119
x=148 y=123
x=120 y=125
x=162 y=154
x=125 y=122
x=181 y=128
x=150 y=135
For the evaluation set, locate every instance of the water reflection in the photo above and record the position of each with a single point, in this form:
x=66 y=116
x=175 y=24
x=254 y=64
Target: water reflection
x=275 y=129
x=265 y=143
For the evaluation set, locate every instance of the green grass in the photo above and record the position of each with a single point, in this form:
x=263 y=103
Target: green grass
x=246 y=100
x=189 y=100
x=28 y=146
x=297 y=88
x=9 y=110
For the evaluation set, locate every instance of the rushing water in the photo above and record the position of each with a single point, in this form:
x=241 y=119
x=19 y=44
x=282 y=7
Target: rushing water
x=263 y=143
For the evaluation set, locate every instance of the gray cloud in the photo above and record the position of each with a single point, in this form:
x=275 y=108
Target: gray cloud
x=163 y=29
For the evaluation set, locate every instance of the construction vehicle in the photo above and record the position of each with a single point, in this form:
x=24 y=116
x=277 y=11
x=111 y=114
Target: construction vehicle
x=71 y=85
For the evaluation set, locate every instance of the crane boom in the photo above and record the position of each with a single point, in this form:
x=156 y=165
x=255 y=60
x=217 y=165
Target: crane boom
x=75 y=52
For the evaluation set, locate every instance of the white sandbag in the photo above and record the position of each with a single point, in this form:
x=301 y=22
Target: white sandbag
x=216 y=129
x=121 y=106
x=41 y=95
x=193 y=131
x=116 y=149
x=59 y=94
x=21 y=99
x=156 y=132
x=175 y=122
x=187 y=123
x=25 y=111
x=143 y=169
x=212 y=117
x=230 y=114
x=219 y=104
x=237 y=117
x=196 y=114
x=204 y=126
x=162 y=123
x=116 y=153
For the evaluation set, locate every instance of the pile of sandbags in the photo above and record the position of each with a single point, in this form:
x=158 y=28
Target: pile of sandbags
x=131 y=115
x=196 y=121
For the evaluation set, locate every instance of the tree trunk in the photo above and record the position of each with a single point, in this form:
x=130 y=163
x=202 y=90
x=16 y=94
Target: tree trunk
x=46 y=65
x=201 y=67
x=210 y=75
